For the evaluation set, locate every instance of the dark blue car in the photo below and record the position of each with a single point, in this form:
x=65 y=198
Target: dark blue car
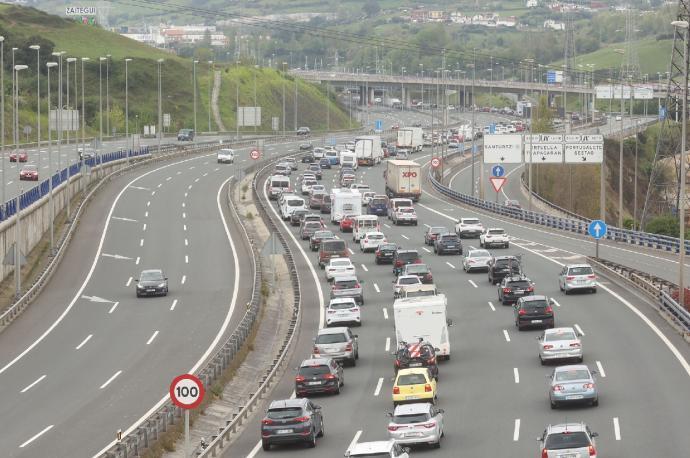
x=325 y=163
x=378 y=206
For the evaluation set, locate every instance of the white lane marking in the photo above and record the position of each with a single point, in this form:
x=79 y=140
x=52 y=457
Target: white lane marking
x=426 y=225
x=168 y=179
x=178 y=173
x=153 y=193
x=172 y=307
x=379 y=384
x=184 y=227
x=189 y=187
x=473 y=283
x=556 y=302
x=148 y=204
x=160 y=184
x=10 y=182
x=386 y=225
x=183 y=205
x=516 y=375
x=112 y=309
x=601 y=369
x=186 y=242
x=196 y=180
x=33 y=438
x=516 y=430
x=107 y=382
x=184 y=215
x=404 y=236
x=186 y=259
x=453 y=267
x=184 y=278
x=385 y=313
x=616 y=428
x=148 y=342
x=192 y=167
x=186 y=194
x=129 y=282
x=388 y=344
x=141 y=242
x=36 y=382
x=493 y=309
x=426 y=249
x=205 y=174
x=578 y=329
x=144 y=228
x=146 y=214
x=352 y=443
x=120 y=218
x=83 y=342
x=376 y=287
x=365 y=268
x=505 y=334
x=137 y=261
x=350 y=250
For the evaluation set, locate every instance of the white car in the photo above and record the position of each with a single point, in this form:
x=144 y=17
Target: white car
x=226 y=156
x=371 y=241
x=378 y=448
x=404 y=281
x=469 y=227
x=558 y=344
x=306 y=186
x=494 y=236
x=577 y=277
x=418 y=423
x=367 y=196
x=476 y=260
x=343 y=310
x=404 y=215
x=360 y=186
x=339 y=267
x=317 y=188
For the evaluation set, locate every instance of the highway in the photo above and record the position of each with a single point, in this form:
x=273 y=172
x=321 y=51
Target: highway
x=493 y=389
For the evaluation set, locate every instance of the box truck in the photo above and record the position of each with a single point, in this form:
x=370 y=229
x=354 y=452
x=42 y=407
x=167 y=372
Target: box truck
x=403 y=179
x=345 y=202
x=410 y=139
x=423 y=318
x=368 y=149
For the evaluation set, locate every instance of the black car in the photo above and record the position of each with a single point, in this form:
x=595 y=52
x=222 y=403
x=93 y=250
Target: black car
x=385 y=253
x=502 y=266
x=152 y=282
x=448 y=243
x=305 y=146
x=303 y=131
x=319 y=375
x=403 y=258
x=185 y=135
x=316 y=170
x=418 y=354
x=291 y=420
x=533 y=311
x=512 y=288
x=325 y=163
x=307 y=158
x=296 y=217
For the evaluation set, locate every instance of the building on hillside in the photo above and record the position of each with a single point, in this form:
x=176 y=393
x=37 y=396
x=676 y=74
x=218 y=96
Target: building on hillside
x=551 y=24
x=419 y=15
x=437 y=16
x=165 y=36
x=532 y=4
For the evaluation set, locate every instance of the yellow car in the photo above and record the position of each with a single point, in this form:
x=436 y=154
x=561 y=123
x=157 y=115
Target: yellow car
x=414 y=385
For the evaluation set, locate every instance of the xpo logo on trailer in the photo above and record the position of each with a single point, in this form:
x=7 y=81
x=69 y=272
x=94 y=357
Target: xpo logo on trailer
x=409 y=174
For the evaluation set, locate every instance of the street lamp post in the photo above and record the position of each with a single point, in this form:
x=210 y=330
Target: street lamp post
x=422 y=72
x=50 y=65
x=83 y=122
x=127 y=61
x=17 y=69
x=100 y=106
x=37 y=48
x=2 y=116
x=107 y=95
x=160 y=104
x=69 y=60
x=194 y=62
x=210 y=69
x=14 y=83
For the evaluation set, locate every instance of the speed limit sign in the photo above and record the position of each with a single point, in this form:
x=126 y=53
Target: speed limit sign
x=255 y=154
x=435 y=162
x=187 y=391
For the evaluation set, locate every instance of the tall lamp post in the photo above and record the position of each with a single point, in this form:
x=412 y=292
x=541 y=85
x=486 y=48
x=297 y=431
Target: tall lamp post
x=59 y=54
x=160 y=104
x=37 y=48
x=83 y=112
x=129 y=146
x=210 y=70
x=50 y=65
x=17 y=69
x=2 y=115
x=100 y=105
x=14 y=83
x=70 y=126
x=682 y=25
x=620 y=152
x=194 y=62
x=107 y=95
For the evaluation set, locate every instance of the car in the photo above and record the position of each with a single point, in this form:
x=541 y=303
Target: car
x=347 y=285
x=371 y=241
x=318 y=188
x=367 y=196
x=361 y=187
x=305 y=146
x=385 y=253
x=560 y=344
x=448 y=243
x=28 y=173
x=297 y=216
x=377 y=205
x=419 y=423
x=152 y=282
x=577 y=277
x=494 y=236
x=339 y=267
x=316 y=199
x=313 y=217
x=306 y=186
x=476 y=260
x=513 y=287
x=317 y=237
x=282 y=169
x=402 y=281
x=395 y=126
x=416 y=354
x=325 y=163
x=350 y=146
x=308 y=228
x=512 y=203
x=317 y=376
x=326 y=204
x=307 y=158
x=291 y=420
x=185 y=135
x=568 y=439
x=501 y=266
x=619 y=118
x=315 y=169
x=432 y=232
x=337 y=343
x=331 y=248
x=85 y=154
x=347 y=223
x=420 y=270
x=404 y=215
x=414 y=384
x=404 y=257
x=19 y=156
x=303 y=131
x=343 y=310
x=226 y=156
x=346 y=180
x=292 y=162
x=469 y=227
x=319 y=153
x=573 y=384
x=387 y=449
x=533 y=311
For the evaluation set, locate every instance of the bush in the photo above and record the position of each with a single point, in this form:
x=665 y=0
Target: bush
x=250 y=216
x=663 y=225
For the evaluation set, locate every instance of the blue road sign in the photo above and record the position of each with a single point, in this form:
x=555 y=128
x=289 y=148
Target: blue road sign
x=498 y=171
x=378 y=124
x=662 y=113
x=492 y=128
x=331 y=141
x=475 y=148
x=597 y=229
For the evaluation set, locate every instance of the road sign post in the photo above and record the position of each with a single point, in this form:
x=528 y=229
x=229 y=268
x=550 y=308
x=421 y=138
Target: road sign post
x=498 y=171
x=497 y=183
x=255 y=154
x=597 y=229
x=435 y=162
x=187 y=392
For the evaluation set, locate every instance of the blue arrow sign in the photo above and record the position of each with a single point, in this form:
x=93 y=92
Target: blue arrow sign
x=597 y=229
x=492 y=128
x=662 y=113
x=498 y=171
x=378 y=124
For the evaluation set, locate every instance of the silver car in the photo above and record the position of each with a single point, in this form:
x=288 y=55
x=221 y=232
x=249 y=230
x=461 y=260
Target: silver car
x=418 y=423
x=403 y=281
x=573 y=385
x=348 y=286
x=476 y=260
x=568 y=440
x=339 y=344
x=577 y=277
x=557 y=344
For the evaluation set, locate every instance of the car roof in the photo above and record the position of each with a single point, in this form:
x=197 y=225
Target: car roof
x=372 y=447
x=408 y=276
x=495 y=229
x=413 y=370
x=516 y=278
x=158 y=271
x=315 y=362
x=345 y=278
x=497 y=258
x=536 y=297
x=572 y=367
x=296 y=402
x=407 y=251
x=338 y=330
x=563 y=427
x=340 y=259
x=469 y=217
x=341 y=300
x=374 y=233
x=417 y=407
x=570 y=266
x=559 y=330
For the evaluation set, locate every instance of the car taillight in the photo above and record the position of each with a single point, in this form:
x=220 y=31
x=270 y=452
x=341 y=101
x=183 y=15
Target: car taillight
x=588 y=386
x=329 y=377
x=357 y=285
x=557 y=388
x=530 y=289
x=592 y=451
x=575 y=345
x=397 y=363
x=266 y=421
x=592 y=277
x=548 y=347
x=302 y=419
x=570 y=277
x=331 y=311
x=428 y=425
x=315 y=350
x=393 y=428
x=417 y=261
x=544 y=453
x=506 y=290
x=431 y=360
x=348 y=347
x=428 y=277
x=548 y=309
x=522 y=312
x=299 y=378
x=427 y=388
x=354 y=309
x=396 y=390
x=398 y=263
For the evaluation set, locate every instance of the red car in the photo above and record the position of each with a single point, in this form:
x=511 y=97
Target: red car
x=395 y=126
x=346 y=223
x=21 y=155
x=29 y=172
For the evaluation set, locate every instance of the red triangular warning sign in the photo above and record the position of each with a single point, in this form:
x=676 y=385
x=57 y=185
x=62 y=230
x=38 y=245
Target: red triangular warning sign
x=498 y=182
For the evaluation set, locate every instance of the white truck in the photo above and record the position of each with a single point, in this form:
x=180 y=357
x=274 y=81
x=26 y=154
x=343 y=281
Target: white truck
x=410 y=139
x=345 y=202
x=403 y=179
x=348 y=159
x=368 y=150
x=423 y=317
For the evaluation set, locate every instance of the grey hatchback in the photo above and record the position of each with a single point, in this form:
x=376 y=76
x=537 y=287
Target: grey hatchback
x=339 y=344
x=152 y=282
x=319 y=375
x=291 y=420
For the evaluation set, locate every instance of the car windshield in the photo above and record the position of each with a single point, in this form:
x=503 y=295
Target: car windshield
x=286 y=412
x=417 y=269
x=411 y=379
x=563 y=335
x=438 y=230
x=295 y=203
x=151 y=275
x=342 y=305
x=323 y=234
x=331 y=338
x=312 y=225
x=345 y=284
x=340 y=263
x=571 y=375
x=327 y=199
x=378 y=201
x=496 y=231
x=310 y=371
x=409 y=281
x=408 y=256
x=506 y=263
x=335 y=245
x=299 y=213
x=387 y=247
x=309 y=182
x=479 y=254
x=411 y=418
x=524 y=284
x=580 y=271
x=560 y=441
x=534 y=305
x=449 y=238
x=470 y=221
x=30 y=168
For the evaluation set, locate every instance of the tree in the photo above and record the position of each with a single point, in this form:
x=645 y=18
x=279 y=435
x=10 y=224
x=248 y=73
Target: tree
x=542 y=117
x=371 y=8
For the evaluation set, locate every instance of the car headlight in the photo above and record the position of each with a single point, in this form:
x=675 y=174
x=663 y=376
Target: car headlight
x=161 y=285
x=139 y=286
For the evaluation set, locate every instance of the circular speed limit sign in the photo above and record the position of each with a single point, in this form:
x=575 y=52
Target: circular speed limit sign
x=187 y=391
x=255 y=154
x=435 y=162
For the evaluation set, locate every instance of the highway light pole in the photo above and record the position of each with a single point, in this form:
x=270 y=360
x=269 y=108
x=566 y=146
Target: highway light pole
x=160 y=104
x=83 y=122
x=69 y=60
x=100 y=106
x=107 y=95
x=127 y=61
x=2 y=116
x=14 y=83
x=50 y=65
x=194 y=89
x=37 y=48
x=210 y=70
x=17 y=69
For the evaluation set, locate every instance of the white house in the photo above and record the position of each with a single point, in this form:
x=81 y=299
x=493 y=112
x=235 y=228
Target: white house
x=532 y=3
x=551 y=24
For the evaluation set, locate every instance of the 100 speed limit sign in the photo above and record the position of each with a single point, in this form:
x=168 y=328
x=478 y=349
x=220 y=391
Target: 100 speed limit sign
x=187 y=391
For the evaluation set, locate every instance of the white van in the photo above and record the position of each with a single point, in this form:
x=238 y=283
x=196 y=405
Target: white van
x=364 y=224
x=277 y=184
x=226 y=156
x=348 y=159
x=290 y=204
